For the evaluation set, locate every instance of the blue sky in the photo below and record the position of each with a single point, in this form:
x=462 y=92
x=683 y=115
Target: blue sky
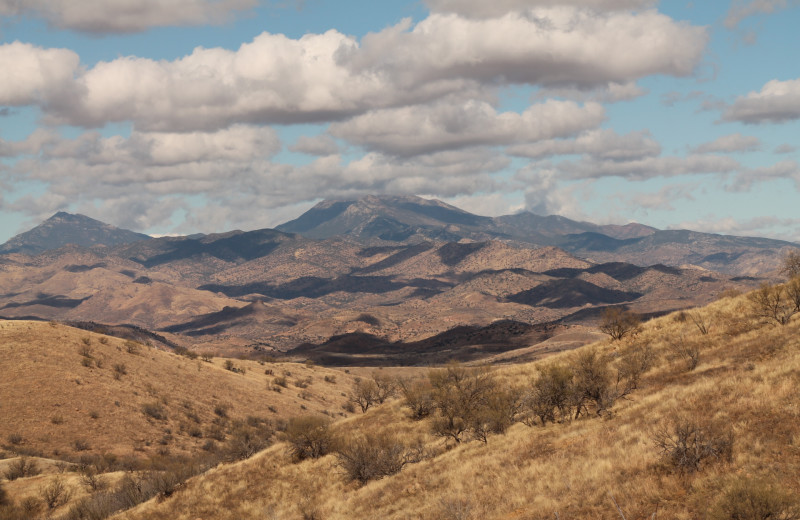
x=179 y=116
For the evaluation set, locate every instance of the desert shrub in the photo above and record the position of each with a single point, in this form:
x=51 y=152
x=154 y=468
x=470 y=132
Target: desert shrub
x=221 y=410
x=4 y=498
x=593 y=383
x=791 y=264
x=80 y=444
x=752 y=499
x=301 y=383
x=91 y=479
x=280 y=381
x=329 y=379
x=103 y=340
x=496 y=413
x=21 y=468
x=155 y=410
x=309 y=437
x=131 y=347
x=776 y=302
x=364 y=394
x=687 y=445
x=15 y=439
x=206 y=356
x=550 y=396
x=55 y=493
x=386 y=387
x=370 y=457
x=460 y=396
x=119 y=370
x=247 y=440
x=57 y=419
x=634 y=360
x=618 y=323
x=686 y=349
x=417 y=396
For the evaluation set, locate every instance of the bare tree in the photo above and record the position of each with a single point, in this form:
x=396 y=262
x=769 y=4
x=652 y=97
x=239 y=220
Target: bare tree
x=618 y=323
x=774 y=302
x=364 y=394
x=791 y=264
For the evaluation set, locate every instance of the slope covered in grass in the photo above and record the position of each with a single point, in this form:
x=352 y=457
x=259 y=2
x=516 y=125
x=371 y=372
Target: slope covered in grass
x=67 y=393
x=741 y=401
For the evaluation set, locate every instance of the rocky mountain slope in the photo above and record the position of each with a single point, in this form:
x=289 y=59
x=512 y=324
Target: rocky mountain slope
x=64 y=228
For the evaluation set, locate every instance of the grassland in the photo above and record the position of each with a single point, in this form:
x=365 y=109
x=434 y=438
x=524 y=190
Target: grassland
x=743 y=395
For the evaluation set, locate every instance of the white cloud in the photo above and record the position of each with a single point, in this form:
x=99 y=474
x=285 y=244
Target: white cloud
x=450 y=125
x=125 y=16
x=741 y=10
x=783 y=170
x=484 y=9
x=599 y=144
x=648 y=167
x=730 y=143
x=553 y=46
x=777 y=102
x=760 y=226
x=785 y=148
x=32 y=75
x=610 y=93
x=329 y=77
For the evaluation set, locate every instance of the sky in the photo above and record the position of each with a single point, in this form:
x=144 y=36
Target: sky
x=184 y=116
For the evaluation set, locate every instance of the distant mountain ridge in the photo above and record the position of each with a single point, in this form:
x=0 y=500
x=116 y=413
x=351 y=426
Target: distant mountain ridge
x=64 y=229
x=380 y=220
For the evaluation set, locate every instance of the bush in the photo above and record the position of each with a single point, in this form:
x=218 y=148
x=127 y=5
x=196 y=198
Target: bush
x=686 y=446
x=247 y=440
x=371 y=457
x=777 y=302
x=15 y=439
x=550 y=397
x=80 y=444
x=22 y=467
x=750 y=499
x=364 y=394
x=55 y=493
x=417 y=396
x=460 y=396
x=131 y=347
x=618 y=323
x=685 y=349
x=4 y=499
x=155 y=410
x=309 y=437
x=593 y=383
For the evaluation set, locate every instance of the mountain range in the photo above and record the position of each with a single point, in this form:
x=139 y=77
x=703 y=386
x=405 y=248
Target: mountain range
x=399 y=277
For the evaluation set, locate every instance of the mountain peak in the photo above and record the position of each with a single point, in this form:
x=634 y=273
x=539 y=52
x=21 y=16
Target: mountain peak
x=67 y=228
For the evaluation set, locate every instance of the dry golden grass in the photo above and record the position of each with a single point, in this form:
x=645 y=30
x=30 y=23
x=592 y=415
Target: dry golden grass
x=747 y=381
x=62 y=395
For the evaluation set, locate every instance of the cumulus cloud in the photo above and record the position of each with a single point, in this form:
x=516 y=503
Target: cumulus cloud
x=647 y=167
x=730 y=143
x=777 y=102
x=762 y=226
x=548 y=46
x=784 y=170
x=599 y=144
x=327 y=77
x=664 y=198
x=610 y=93
x=741 y=10
x=148 y=175
x=33 y=75
x=125 y=16
x=484 y=9
x=424 y=129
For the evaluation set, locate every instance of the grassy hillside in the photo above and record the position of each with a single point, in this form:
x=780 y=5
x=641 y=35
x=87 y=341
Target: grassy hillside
x=67 y=393
x=738 y=408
